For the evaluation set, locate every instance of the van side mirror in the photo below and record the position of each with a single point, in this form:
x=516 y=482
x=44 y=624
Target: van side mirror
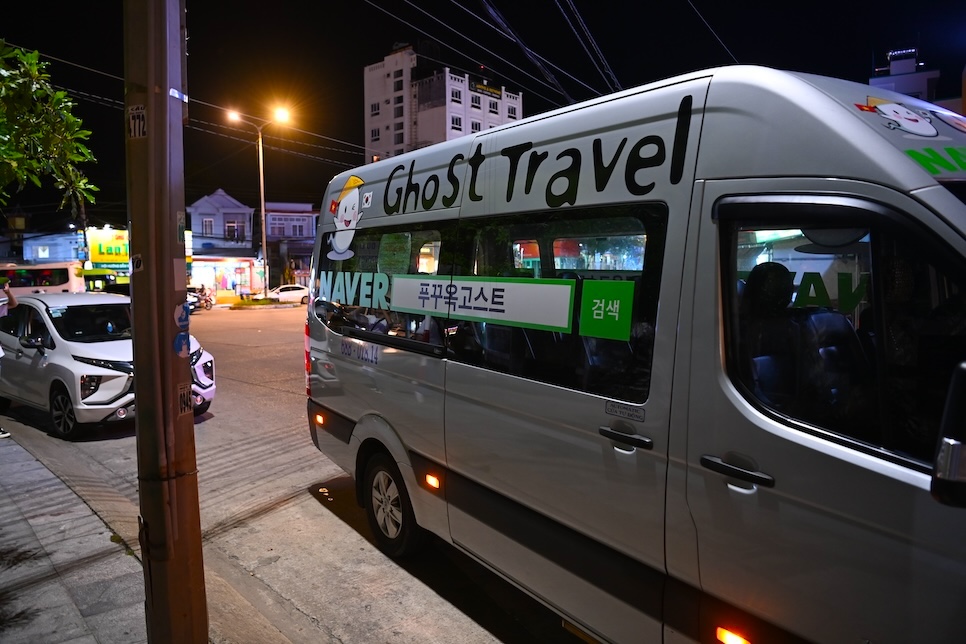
x=949 y=472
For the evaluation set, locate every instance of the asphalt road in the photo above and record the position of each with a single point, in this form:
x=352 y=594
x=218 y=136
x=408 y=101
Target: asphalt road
x=278 y=520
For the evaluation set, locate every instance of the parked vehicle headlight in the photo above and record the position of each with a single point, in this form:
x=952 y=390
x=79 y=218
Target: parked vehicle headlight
x=89 y=385
x=195 y=356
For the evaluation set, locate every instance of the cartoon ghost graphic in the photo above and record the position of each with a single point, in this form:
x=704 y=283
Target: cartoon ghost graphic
x=900 y=117
x=347 y=214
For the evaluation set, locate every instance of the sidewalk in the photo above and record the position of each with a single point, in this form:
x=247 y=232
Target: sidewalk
x=67 y=576
x=62 y=578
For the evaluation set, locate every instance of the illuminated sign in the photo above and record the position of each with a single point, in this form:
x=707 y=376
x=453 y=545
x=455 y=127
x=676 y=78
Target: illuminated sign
x=480 y=88
x=109 y=248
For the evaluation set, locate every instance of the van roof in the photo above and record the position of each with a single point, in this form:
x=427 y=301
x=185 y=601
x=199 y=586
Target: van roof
x=751 y=122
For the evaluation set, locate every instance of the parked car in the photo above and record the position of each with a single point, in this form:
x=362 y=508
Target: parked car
x=287 y=293
x=72 y=355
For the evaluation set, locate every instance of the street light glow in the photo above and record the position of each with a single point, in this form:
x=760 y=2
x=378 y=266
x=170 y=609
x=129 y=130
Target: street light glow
x=281 y=116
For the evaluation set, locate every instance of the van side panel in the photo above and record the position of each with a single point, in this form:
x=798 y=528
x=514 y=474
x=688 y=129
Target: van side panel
x=572 y=515
x=820 y=527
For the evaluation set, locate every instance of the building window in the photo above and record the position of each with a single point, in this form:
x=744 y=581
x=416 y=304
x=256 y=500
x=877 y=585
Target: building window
x=397 y=86
x=456 y=95
x=474 y=126
x=397 y=112
x=235 y=231
x=456 y=123
x=397 y=100
x=476 y=102
x=397 y=126
x=374 y=109
x=397 y=73
x=494 y=107
x=511 y=111
x=208 y=227
x=398 y=138
x=374 y=134
x=298 y=230
x=276 y=230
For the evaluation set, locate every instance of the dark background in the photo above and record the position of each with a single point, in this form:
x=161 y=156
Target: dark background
x=311 y=54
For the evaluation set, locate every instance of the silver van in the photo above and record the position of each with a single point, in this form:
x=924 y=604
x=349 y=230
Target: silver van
x=685 y=363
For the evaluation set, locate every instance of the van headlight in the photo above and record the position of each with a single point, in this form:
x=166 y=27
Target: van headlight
x=195 y=356
x=89 y=385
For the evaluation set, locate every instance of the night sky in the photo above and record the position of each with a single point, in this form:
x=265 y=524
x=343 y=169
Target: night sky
x=310 y=55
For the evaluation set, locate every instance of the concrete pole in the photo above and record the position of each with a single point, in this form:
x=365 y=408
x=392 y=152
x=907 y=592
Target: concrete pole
x=170 y=524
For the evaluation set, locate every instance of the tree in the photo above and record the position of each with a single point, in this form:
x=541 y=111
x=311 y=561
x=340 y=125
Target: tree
x=39 y=135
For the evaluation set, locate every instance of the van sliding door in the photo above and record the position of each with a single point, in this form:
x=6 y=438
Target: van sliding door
x=825 y=331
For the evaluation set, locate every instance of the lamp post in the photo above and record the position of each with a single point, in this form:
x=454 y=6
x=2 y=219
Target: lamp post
x=281 y=116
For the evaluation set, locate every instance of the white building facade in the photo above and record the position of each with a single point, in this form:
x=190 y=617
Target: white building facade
x=291 y=235
x=410 y=105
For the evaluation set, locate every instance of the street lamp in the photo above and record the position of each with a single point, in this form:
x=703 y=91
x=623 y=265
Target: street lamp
x=281 y=116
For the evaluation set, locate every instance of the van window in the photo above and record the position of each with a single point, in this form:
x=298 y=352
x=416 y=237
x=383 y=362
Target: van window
x=610 y=257
x=356 y=291
x=854 y=329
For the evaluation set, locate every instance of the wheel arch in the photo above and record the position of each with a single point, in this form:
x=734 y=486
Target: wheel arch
x=377 y=436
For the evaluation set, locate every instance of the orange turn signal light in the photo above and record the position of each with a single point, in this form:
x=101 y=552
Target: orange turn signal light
x=728 y=637
x=432 y=481
x=319 y=419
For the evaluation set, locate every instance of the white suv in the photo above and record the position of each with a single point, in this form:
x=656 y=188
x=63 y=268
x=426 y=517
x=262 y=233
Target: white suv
x=71 y=354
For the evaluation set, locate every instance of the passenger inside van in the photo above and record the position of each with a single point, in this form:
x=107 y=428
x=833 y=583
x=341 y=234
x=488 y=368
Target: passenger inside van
x=808 y=361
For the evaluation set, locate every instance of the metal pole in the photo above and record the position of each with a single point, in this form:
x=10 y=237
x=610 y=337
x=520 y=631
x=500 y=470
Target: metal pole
x=170 y=523
x=261 y=193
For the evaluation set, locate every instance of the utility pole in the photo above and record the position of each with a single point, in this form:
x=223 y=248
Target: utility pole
x=170 y=523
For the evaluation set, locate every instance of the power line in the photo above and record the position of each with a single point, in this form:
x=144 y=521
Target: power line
x=597 y=57
x=501 y=21
x=457 y=51
x=712 y=31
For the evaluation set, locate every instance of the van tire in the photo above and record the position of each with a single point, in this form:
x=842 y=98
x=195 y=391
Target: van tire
x=202 y=408
x=62 y=419
x=389 y=510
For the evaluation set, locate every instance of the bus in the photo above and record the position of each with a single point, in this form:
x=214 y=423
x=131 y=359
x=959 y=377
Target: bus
x=100 y=279
x=54 y=277
x=686 y=363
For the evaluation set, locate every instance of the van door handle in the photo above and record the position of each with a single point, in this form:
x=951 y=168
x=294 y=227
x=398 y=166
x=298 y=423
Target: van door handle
x=628 y=439
x=715 y=464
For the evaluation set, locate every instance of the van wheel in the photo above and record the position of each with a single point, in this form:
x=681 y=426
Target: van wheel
x=389 y=510
x=305 y=300
x=202 y=408
x=62 y=418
